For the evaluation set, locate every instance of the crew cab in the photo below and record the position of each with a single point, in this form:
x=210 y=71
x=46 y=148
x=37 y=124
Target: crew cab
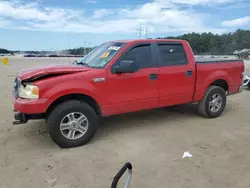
x=121 y=77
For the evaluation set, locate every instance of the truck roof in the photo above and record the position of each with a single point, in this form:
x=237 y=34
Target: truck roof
x=148 y=40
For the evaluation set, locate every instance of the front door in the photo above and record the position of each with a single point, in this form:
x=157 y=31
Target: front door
x=136 y=91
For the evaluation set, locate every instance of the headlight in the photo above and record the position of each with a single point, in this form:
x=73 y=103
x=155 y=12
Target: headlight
x=28 y=91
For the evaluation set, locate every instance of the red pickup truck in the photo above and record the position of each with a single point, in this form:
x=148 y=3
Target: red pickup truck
x=120 y=77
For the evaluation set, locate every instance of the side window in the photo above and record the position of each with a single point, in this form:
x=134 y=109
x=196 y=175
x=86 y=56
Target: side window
x=172 y=54
x=141 y=55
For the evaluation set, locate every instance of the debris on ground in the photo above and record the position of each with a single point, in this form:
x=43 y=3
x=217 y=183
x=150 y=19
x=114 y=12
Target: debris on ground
x=187 y=154
x=202 y=147
x=50 y=181
x=49 y=167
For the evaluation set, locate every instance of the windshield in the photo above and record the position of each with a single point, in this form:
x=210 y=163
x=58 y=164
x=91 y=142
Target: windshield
x=101 y=55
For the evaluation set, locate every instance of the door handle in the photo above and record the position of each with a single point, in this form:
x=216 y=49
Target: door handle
x=153 y=76
x=189 y=73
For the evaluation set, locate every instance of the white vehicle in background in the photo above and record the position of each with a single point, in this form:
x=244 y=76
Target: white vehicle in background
x=247 y=81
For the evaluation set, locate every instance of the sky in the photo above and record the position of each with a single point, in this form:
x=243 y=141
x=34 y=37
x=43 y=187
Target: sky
x=63 y=24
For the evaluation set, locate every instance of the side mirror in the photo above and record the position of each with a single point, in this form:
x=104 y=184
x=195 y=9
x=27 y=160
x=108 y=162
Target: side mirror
x=125 y=67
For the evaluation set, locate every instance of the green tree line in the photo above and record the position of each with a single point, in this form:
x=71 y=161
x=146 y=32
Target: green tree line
x=209 y=43
x=79 y=51
x=204 y=43
x=4 y=51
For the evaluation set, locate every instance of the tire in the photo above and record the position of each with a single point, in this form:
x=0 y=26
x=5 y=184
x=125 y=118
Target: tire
x=59 y=114
x=204 y=107
x=248 y=85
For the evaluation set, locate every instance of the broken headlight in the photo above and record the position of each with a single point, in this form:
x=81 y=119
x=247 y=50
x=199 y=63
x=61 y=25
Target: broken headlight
x=28 y=91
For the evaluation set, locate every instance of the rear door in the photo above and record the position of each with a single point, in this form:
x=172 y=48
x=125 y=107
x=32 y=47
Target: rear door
x=130 y=92
x=176 y=74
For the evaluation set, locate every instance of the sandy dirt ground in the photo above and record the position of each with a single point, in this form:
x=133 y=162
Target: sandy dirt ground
x=153 y=141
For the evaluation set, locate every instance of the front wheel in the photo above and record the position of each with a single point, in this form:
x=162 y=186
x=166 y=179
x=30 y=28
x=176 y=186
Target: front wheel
x=72 y=123
x=213 y=103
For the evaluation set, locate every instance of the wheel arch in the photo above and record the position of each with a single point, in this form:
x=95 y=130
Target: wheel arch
x=220 y=83
x=76 y=96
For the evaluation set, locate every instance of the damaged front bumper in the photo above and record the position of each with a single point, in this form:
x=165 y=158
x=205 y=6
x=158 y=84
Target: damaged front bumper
x=22 y=118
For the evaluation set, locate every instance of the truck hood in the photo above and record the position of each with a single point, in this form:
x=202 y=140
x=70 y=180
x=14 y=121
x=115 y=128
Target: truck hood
x=38 y=72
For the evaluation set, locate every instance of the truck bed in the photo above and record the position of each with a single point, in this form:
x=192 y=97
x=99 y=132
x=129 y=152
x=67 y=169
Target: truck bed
x=208 y=69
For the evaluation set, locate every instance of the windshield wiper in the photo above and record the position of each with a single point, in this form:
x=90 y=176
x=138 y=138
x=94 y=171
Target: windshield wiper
x=81 y=63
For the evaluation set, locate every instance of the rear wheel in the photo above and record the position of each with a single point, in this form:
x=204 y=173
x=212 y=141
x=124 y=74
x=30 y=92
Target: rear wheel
x=249 y=85
x=213 y=103
x=72 y=123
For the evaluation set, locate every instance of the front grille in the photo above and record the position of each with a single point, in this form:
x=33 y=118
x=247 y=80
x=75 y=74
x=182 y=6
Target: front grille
x=17 y=84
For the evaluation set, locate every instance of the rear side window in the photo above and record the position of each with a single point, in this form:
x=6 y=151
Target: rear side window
x=141 y=55
x=172 y=54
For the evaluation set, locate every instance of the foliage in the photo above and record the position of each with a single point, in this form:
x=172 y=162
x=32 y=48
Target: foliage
x=208 y=43
x=4 y=51
x=79 y=51
x=205 y=43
